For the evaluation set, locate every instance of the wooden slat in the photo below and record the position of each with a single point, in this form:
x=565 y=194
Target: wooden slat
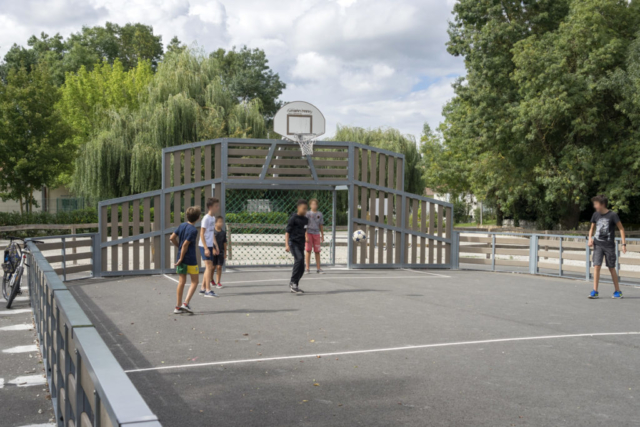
x=114 y=236
x=399 y=176
x=382 y=170
x=244 y=161
x=356 y=164
x=565 y=244
x=147 y=228
x=432 y=230
x=499 y=240
x=399 y=209
x=511 y=263
x=381 y=231
x=69 y=257
x=633 y=248
x=207 y=162
x=289 y=171
x=197 y=177
x=136 y=231
x=629 y=261
x=247 y=171
x=217 y=170
x=467 y=260
x=103 y=236
x=74 y=269
x=177 y=168
x=156 y=227
x=316 y=154
x=365 y=173
x=331 y=172
x=187 y=177
x=167 y=170
x=499 y=251
x=125 y=233
x=634 y=274
x=439 y=234
x=390 y=173
x=373 y=165
x=414 y=227
x=248 y=152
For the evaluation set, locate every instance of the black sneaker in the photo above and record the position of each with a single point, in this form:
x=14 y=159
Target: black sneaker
x=296 y=290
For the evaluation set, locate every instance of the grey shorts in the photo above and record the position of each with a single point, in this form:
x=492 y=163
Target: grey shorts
x=604 y=251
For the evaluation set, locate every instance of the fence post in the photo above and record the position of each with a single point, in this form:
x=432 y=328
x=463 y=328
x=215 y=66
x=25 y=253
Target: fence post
x=333 y=228
x=455 y=250
x=587 y=261
x=560 y=257
x=96 y=258
x=493 y=252
x=533 y=254
x=403 y=234
x=64 y=260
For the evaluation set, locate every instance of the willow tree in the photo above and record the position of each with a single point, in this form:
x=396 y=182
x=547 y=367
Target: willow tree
x=186 y=101
x=392 y=140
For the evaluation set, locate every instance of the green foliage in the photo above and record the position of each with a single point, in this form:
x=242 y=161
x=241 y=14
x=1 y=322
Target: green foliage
x=247 y=74
x=392 y=140
x=546 y=115
x=130 y=44
x=186 y=102
x=33 y=147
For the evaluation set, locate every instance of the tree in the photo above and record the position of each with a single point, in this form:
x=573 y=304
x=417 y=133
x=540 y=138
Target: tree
x=88 y=95
x=186 y=101
x=130 y=44
x=537 y=125
x=175 y=46
x=392 y=140
x=247 y=74
x=33 y=147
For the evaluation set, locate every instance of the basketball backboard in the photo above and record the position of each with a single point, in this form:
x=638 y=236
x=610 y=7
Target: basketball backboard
x=299 y=121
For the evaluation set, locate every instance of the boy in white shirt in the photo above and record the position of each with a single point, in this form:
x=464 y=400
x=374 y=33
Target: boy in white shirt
x=208 y=245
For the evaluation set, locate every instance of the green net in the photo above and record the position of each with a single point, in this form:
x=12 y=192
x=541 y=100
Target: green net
x=256 y=221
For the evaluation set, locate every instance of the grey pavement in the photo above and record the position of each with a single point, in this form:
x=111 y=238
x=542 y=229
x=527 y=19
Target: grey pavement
x=560 y=380
x=23 y=392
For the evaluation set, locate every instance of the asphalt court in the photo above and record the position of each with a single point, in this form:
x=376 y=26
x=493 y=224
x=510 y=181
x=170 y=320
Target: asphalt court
x=376 y=348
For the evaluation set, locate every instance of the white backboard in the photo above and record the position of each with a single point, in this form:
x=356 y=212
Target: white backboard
x=301 y=119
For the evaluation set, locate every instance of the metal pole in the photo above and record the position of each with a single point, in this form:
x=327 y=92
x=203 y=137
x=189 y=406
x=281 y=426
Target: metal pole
x=64 y=261
x=403 y=235
x=493 y=252
x=455 y=250
x=560 y=257
x=587 y=260
x=351 y=211
x=163 y=201
x=333 y=227
x=533 y=254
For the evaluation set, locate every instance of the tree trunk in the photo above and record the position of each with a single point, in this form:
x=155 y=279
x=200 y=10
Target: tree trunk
x=499 y=216
x=31 y=200
x=571 y=217
x=21 y=206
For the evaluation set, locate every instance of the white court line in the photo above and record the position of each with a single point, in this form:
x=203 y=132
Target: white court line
x=22 y=349
x=425 y=272
x=1 y=382
x=8 y=312
x=22 y=327
x=325 y=277
x=380 y=350
x=28 y=380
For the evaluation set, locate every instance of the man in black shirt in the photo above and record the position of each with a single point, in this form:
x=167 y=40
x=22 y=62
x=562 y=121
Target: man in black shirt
x=603 y=242
x=294 y=242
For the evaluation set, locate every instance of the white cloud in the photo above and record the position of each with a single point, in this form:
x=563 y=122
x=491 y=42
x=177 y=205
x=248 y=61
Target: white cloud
x=363 y=62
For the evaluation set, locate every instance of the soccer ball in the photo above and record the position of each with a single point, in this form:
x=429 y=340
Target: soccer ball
x=359 y=236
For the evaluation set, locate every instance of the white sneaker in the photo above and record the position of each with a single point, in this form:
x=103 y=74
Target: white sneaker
x=185 y=307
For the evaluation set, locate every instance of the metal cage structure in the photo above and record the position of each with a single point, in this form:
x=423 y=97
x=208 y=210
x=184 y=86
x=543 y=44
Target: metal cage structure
x=404 y=230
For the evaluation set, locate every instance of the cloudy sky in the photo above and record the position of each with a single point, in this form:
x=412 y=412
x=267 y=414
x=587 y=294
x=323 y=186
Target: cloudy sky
x=362 y=62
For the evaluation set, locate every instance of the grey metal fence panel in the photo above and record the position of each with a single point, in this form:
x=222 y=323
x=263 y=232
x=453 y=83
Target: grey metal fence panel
x=87 y=384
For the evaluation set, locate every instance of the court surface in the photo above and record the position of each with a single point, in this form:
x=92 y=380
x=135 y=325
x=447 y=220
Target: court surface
x=376 y=348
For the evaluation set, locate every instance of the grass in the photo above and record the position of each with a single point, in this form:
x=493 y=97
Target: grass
x=474 y=224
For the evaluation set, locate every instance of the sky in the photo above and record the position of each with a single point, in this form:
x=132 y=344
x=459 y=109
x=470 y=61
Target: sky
x=366 y=63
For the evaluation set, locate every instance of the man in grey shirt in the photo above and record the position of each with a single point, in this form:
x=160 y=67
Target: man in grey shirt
x=315 y=234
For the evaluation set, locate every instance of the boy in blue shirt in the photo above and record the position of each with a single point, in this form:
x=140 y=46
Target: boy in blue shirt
x=185 y=238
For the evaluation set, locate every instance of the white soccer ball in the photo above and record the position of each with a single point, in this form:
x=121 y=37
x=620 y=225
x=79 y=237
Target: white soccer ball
x=359 y=236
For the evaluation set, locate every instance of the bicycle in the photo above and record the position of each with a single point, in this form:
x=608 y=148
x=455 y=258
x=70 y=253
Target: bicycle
x=15 y=259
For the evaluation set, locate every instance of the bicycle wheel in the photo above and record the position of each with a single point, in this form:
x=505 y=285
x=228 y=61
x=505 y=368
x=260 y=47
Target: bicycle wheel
x=6 y=285
x=16 y=285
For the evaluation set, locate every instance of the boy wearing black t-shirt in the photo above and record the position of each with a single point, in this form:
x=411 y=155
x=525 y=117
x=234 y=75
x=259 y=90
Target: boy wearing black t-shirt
x=294 y=241
x=602 y=239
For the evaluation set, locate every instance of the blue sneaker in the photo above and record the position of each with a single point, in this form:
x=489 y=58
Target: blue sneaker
x=594 y=295
x=202 y=292
x=210 y=294
x=617 y=295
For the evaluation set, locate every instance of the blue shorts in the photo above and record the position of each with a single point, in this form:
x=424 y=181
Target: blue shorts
x=206 y=258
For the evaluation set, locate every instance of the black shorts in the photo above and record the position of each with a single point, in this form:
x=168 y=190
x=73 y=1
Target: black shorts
x=218 y=259
x=604 y=251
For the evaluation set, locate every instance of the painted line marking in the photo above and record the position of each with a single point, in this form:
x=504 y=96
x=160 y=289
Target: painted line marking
x=28 y=380
x=22 y=327
x=40 y=425
x=425 y=272
x=19 y=311
x=22 y=349
x=1 y=382
x=21 y=299
x=380 y=350
x=325 y=277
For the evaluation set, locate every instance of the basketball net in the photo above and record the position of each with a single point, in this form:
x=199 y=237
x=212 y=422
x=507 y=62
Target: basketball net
x=306 y=142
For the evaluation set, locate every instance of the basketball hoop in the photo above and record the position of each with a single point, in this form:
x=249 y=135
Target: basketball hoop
x=306 y=142
x=301 y=123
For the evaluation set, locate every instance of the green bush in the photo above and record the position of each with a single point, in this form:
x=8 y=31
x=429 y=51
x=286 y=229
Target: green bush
x=84 y=216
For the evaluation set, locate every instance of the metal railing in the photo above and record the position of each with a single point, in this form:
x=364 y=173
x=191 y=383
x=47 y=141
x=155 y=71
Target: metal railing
x=71 y=255
x=558 y=255
x=88 y=387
